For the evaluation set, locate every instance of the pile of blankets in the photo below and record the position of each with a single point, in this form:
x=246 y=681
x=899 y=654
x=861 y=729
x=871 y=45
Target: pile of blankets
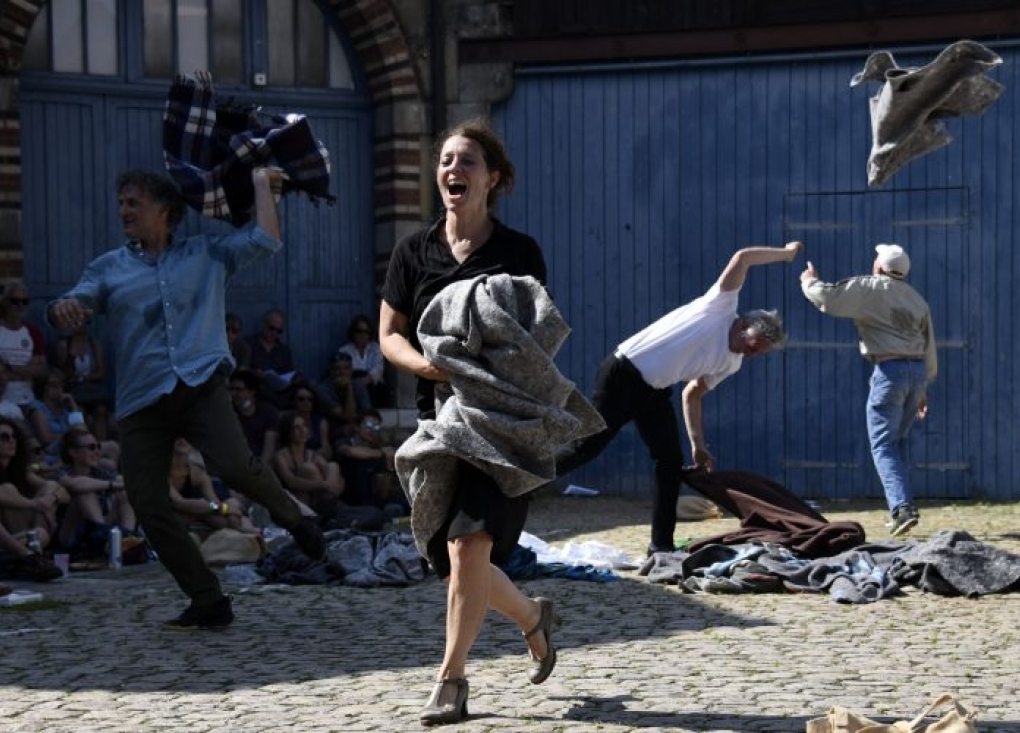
x=785 y=545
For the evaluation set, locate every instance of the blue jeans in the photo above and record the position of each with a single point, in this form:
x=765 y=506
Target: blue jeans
x=897 y=387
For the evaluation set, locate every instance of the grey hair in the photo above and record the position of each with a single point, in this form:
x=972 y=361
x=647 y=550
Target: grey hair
x=767 y=325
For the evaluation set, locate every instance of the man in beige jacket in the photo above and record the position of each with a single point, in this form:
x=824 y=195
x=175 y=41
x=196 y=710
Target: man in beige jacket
x=896 y=335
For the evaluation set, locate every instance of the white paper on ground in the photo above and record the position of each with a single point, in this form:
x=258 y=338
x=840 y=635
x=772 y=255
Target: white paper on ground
x=575 y=490
x=17 y=597
x=596 y=554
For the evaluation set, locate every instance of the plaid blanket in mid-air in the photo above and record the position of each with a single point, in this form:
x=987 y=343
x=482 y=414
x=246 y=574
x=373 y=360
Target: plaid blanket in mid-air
x=210 y=151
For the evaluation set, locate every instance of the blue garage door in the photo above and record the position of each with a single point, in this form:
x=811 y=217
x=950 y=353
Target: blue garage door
x=640 y=181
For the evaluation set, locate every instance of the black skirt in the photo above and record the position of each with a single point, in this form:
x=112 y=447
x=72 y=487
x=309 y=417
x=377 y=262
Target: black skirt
x=479 y=506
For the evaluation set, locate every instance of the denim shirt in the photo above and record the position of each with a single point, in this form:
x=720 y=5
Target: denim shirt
x=166 y=315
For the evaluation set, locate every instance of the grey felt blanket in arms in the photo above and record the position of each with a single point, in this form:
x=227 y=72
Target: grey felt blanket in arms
x=507 y=409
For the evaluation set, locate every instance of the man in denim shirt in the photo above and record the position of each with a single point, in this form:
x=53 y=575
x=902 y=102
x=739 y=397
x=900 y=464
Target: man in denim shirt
x=163 y=296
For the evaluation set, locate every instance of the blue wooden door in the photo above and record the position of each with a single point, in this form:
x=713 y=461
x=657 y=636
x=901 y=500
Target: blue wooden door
x=640 y=182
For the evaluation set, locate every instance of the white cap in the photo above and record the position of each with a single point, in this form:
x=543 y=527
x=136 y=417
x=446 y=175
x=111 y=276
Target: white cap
x=893 y=260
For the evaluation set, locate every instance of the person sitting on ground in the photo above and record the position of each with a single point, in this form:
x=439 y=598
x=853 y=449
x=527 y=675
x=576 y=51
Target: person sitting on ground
x=336 y=395
x=239 y=348
x=367 y=464
x=8 y=408
x=22 y=346
x=271 y=359
x=306 y=404
x=27 y=502
x=53 y=412
x=259 y=420
x=314 y=480
x=196 y=500
x=37 y=457
x=99 y=501
x=368 y=363
x=79 y=355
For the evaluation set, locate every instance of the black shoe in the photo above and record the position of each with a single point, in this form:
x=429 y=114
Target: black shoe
x=34 y=568
x=217 y=616
x=309 y=538
x=904 y=519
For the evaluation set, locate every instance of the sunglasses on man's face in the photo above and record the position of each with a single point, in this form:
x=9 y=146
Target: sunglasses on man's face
x=18 y=301
x=6 y=437
x=89 y=446
x=274 y=329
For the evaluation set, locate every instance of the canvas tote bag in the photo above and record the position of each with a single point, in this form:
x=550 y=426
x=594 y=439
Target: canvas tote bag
x=841 y=720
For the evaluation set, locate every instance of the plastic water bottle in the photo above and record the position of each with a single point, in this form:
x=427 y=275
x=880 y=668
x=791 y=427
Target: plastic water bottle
x=114 y=559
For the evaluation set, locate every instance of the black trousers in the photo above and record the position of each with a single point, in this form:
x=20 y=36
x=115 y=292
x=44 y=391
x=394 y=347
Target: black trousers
x=205 y=417
x=621 y=396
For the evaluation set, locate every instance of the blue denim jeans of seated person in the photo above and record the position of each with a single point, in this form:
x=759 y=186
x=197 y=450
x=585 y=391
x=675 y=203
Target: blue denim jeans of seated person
x=897 y=387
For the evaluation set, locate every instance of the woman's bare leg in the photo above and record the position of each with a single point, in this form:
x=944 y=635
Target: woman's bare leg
x=509 y=600
x=475 y=585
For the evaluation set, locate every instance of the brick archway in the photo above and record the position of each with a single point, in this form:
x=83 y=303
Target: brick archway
x=381 y=47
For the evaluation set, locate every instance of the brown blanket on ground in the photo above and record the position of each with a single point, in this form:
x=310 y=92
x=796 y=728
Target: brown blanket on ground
x=768 y=512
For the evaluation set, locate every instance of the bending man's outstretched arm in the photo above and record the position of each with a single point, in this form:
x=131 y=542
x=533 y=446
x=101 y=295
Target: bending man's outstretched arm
x=691 y=403
x=732 y=278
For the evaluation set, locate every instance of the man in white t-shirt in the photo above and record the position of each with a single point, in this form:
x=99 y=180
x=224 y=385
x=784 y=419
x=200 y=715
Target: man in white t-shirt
x=700 y=343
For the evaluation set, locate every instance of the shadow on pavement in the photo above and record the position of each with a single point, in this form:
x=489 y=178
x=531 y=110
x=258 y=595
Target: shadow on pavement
x=111 y=638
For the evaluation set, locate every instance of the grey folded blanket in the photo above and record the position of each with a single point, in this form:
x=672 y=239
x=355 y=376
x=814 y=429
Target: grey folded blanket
x=510 y=410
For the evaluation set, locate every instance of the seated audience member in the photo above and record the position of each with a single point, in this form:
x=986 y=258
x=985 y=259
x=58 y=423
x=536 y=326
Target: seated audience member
x=22 y=346
x=304 y=472
x=194 y=497
x=98 y=499
x=239 y=348
x=10 y=409
x=54 y=412
x=259 y=420
x=79 y=355
x=336 y=395
x=271 y=359
x=367 y=464
x=37 y=458
x=306 y=404
x=368 y=364
x=27 y=502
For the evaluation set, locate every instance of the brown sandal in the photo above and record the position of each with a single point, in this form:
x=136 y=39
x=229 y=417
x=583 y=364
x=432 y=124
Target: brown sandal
x=549 y=620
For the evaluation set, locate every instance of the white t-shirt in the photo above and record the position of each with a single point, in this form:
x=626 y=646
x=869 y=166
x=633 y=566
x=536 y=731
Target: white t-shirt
x=11 y=411
x=16 y=349
x=687 y=343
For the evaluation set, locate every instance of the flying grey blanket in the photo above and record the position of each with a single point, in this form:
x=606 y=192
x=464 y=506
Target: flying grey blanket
x=510 y=409
x=906 y=112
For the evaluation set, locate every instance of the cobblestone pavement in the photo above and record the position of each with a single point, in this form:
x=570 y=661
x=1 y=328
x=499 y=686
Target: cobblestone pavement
x=633 y=656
